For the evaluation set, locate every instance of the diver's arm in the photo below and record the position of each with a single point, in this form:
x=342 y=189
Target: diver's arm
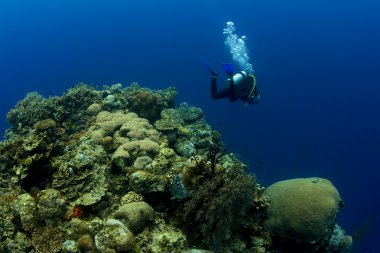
x=232 y=89
x=214 y=90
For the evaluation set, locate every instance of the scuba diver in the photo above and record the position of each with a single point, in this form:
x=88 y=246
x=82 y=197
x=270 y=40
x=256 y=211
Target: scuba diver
x=239 y=86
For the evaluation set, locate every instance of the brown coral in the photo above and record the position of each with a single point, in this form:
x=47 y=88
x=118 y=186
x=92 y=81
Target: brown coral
x=218 y=208
x=147 y=104
x=47 y=239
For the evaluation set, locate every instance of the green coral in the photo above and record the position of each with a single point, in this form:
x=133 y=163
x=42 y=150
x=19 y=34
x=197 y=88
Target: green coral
x=26 y=211
x=51 y=205
x=7 y=204
x=170 y=120
x=44 y=124
x=189 y=114
x=136 y=215
x=81 y=173
x=66 y=110
x=31 y=109
x=315 y=198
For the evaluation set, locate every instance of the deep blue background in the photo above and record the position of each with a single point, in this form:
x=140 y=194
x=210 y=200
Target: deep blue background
x=318 y=63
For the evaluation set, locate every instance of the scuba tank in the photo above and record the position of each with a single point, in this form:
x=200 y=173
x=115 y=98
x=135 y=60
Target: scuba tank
x=238 y=78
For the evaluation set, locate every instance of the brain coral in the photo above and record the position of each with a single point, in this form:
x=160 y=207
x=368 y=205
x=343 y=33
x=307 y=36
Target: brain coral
x=302 y=209
x=136 y=215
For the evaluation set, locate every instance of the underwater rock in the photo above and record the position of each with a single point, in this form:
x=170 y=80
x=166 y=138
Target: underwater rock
x=115 y=237
x=302 y=209
x=136 y=215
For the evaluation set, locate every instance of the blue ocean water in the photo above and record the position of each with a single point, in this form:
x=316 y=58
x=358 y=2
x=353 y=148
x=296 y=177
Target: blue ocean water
x=317 y=63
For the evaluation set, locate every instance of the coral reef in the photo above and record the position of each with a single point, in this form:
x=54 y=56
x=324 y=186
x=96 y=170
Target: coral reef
x=122 y=169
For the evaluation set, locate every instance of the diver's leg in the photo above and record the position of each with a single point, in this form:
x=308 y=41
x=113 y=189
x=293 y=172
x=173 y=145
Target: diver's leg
x=214 y=90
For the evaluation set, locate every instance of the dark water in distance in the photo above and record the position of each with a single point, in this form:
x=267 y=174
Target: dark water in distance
x=317 y=62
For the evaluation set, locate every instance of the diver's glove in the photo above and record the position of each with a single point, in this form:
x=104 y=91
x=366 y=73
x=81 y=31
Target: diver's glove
x=208 y=67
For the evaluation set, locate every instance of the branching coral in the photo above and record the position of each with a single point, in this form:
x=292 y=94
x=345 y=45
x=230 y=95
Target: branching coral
x=65 y=109
x=47 y=239
x=218 y=207
x=201 y=168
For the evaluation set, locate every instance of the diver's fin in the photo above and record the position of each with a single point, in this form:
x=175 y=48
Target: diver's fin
x=228 y=68
x=207 y=65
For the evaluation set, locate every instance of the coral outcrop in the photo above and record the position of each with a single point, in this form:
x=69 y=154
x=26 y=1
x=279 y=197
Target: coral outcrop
x=123 y=169
x=304 y=210
x=136 y=215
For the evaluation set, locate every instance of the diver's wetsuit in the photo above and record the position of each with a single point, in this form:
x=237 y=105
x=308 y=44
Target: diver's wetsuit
x=236 y=92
